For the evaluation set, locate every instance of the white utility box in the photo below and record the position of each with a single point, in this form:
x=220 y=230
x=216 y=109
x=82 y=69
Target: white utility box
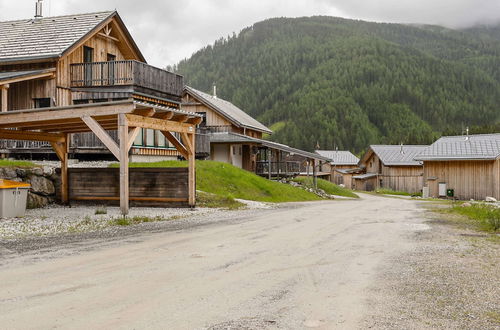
x=13 y=196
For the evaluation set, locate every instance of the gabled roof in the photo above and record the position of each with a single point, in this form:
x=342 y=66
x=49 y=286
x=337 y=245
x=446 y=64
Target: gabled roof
x=395 y=155
x=240 y=138
x=228 y=110
x=473 y=147
x=339 y=157
x=51 y=37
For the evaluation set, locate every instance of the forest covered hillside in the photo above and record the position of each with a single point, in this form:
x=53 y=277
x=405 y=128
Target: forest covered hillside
x=347 y=83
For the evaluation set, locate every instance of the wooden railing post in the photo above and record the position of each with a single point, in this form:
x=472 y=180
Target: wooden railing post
x=4 y=97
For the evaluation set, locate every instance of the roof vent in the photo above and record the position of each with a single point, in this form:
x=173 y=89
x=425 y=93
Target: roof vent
x=38 y=9
x=215 y=91
x=467 y=134
x=402 y=150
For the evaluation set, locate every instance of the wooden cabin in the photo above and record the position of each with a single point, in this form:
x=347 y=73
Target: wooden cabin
x=343 y=165
x=391 y=167
x=81 y=59
x=469 y=165
x=237 y=138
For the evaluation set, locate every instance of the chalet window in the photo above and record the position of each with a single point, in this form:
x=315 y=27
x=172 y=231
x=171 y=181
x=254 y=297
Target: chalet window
x=139 y=139
x=111 y=68
x=80 y=101
x=150 y=138
x=45 y=102
x=88 y=57
x=160 y=139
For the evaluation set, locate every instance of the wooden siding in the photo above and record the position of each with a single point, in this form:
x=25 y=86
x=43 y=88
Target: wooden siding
x=469 y=179
x=162 y=186
x=212 y=117
x=402 y=178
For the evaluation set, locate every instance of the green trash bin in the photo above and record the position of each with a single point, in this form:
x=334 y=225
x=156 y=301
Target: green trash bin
x=13 y=196
x=450 y=192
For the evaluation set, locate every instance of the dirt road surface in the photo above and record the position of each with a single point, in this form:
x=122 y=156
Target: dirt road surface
x=308 y=266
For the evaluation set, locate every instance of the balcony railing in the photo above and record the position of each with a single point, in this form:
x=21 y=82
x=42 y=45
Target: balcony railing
x=125 y=73
x=278 y=168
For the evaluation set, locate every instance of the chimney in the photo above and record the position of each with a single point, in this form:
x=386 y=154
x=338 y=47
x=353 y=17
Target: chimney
x=38 y=9
x=215 y=91
x=402 y=151
x=467 y=134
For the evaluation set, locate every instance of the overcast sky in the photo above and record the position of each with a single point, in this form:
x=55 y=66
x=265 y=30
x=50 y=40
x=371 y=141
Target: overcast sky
x=170 y=30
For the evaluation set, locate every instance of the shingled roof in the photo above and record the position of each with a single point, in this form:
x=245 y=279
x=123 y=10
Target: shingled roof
x=339 y=157
x=472 y=147
x=396 y=155
x=48 y=37
x=228 y=110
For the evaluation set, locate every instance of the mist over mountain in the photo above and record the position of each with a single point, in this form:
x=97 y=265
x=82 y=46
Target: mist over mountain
x=348 y=83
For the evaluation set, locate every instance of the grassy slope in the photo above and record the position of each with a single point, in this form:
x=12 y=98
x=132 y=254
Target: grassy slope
x=482 y=216
x=328 y=187
x=229 y=181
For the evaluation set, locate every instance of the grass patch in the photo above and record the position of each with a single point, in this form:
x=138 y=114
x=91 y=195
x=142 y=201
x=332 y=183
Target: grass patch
x=326 y=186
x=127 y=221
x=227 y=180
x=101 y=210
x=204 y=199
x=482 y=216
x=16 y=163
x=386 y=191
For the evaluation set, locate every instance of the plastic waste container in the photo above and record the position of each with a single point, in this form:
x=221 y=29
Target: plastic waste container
x=13 y=196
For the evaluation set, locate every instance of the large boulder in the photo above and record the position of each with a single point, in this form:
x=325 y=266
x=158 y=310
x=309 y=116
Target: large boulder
x=36 y=201
x=8 y=173
x=42 y=186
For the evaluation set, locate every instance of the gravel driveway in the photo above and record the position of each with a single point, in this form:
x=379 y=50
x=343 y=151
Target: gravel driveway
x=326 y=265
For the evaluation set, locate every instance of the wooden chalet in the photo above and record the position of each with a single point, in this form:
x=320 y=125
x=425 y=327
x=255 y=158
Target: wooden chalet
x=79 y=81
x=237 y=138
x=342 y=167
x=391 y=167
x=81 y=59
x=469 y=165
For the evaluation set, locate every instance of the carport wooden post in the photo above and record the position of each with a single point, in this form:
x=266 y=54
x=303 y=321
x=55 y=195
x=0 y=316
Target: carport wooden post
x=315 y=179
x=61 y=149
x=192 y=172
x=123 y=135
x=3 y=90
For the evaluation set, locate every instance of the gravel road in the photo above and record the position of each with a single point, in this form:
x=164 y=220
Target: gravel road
x=310 y=265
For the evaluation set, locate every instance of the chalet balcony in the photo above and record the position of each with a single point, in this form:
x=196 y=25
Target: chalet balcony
x=121 y=79
x=278 y=169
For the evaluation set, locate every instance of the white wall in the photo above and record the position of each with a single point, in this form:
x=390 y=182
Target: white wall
x=220 y=153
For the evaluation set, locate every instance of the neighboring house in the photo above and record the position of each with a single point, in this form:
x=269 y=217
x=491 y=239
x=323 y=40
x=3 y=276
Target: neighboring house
x=342 y=167
x=77 y=59
x=391 y=167
x=236 y=138
x=470 y=165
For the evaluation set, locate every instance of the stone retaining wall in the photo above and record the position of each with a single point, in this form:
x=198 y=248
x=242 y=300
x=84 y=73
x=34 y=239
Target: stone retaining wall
x=43 y=180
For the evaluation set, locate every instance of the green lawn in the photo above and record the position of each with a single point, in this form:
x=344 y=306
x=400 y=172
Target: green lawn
x=229 y=181
x=386 y=191
x=483 y=216
x=16 y=163
x=327 y=186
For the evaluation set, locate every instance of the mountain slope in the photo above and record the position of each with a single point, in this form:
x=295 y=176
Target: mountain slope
x=344 y=83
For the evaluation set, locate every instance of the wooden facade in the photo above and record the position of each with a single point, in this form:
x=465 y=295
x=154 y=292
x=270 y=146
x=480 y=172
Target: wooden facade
x=104 y=65
x=398 y=177
x=470 y=179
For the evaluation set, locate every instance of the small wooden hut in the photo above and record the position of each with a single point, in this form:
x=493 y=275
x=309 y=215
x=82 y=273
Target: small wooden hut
x=343 y=165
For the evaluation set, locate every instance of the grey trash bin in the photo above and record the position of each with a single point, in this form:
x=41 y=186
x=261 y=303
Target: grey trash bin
x=13 y=197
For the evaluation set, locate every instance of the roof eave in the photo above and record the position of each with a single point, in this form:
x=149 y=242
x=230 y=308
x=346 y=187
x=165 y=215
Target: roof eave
x=29 y=59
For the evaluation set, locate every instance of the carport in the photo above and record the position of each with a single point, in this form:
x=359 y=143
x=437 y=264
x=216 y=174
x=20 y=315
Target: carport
x=55 y=125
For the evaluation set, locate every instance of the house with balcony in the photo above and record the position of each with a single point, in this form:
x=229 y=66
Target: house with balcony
x=234 y=137
x=48 y=62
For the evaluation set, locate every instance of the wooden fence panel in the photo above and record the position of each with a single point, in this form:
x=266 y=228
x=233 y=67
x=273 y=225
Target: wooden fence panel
x=166 y=187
